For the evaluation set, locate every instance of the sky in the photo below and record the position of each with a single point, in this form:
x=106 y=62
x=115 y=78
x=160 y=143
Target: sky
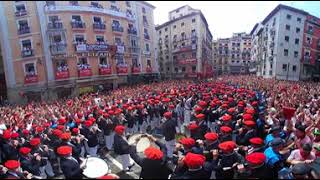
x=227 y=17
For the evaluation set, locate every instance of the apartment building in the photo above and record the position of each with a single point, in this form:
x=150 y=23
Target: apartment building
x=54 y=49
x=233 y=55
x=185 y=45
x=279 y=41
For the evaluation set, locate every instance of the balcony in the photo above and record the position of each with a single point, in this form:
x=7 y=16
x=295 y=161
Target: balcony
x=84 y=72
x=27 y=53
x=99 y=26
x=62 y=75
x=105 y=70
x=117 y=29
x=134 y=50
x=145 y=23
x=55 y=25
x=310 y=31
x=28 y=79
x=146 y=36
x=136 y=70
x=130 y=17
x=116 y=9
x=149 y=69
x=307 y=59
x=185 y=48
x=191 y=61
x=58 y=48
x=84 y=47
x=24 y=30
x=21 y=13
x=132 y=31
x=78 y=25
x=122 y=69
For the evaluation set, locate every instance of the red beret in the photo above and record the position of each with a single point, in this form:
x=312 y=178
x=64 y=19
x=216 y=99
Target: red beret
x=64 y=150
x=194 y=161
x=14 y=135
x=24 y=150
x=254 y=103
x=193 y=126
x=130 y=108
x=256 y=158
x=249 y=123
x=256 y=141
x=75 y=130
x=92 y=119
x=80 y=115
x=200 y=116
x=202 y=103
x=106 y=115
x=125 y=106
x=188 y=142
x=247 y=117
x=111 y=112
x=39 y=129
x=25 y=132
x=6 y=134
x=227 y=146
x=46 y=125
x=107 y=177
x=166 y=100
x=35 y=141
x=167 y=114
x=62 y=121
x=65 y=136
x=211 y=136
x=119 y=129
x=153 y=153
x=60 y=127
x=57 y=132
x=12 y=164
x=226 y=117
x=171 y=106
x=88 y=123
x=231 y=110
x=78 y=121
x=198 y=109
x=250 y=111
x=225 y=106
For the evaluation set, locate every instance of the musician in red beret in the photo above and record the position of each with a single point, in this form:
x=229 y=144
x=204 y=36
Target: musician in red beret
x=69 y=165
x=202 y=127
x=246 y=133
x=28 y=162
x=168 y=128
x=75 y=144
x=154 y=164
x=257 y=145
x=225 y=134
x=122 y=148
x=13 y=171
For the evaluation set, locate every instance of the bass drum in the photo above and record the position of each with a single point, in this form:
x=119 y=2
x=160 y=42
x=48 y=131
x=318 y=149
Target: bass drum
x=95 y=167
x=142 y=144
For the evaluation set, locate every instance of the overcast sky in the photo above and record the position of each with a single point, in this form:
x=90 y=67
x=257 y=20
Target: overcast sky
x=226 y=17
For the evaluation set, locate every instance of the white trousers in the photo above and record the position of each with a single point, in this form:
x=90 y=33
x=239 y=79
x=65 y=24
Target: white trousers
x=126 y=161
x=170 y=147
x=187 y=117
x=47 y=169
x=143 y=127
x=93 y=151
x=109 y=140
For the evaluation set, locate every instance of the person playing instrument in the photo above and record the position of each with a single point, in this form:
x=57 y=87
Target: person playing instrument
x=121 y=147
x=13 y=171
x=29 y=163
x=76 y=146
x=69 y=165
x=92 y=138
x=169 y=131
x=154 y=164
x=225 y=134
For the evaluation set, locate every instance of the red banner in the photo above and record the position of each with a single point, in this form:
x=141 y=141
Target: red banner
x=149 y=69
x=105 y=71
x=188 y=61
x=192 y=74
x=122 y=70
x=136 y=70
x=31 y=79
x=62 y=75
x=85 y=72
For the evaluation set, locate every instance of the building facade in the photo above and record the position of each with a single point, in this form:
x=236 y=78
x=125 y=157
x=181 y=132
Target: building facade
x=285 y=44
x=185 y=45
x=54 y=49
x=310 y=56
x=233 y=55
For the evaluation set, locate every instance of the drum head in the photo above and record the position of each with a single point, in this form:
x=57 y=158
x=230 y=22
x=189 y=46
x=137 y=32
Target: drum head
x=132 y=139
x=96 y=167
x=143 y=144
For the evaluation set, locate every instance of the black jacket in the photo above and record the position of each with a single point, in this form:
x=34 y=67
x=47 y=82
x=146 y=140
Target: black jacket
x=71 y=169
x=152 y=169
x=199 y=174
x=121 y=146
x=169 y=129
x=30 y=165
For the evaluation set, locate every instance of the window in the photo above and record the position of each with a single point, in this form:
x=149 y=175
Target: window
x=50 y=3
x=57 y=38
x=62 y=65
x=99 y=39
x=120 y=60
x=166 y=29
x=168 y=68
x=297 y=30
x=149 y=62
x=79 y=39
x=135 y=62
x=183 y=35
x=182 y=24
x=83 y=63
x=160 y=32
x=296 y=53
x=128 y=3
x=174 y=26
x=296 y=41
x=147 y=47
x=26 y=48
x=288 y=27
x=76 y=18
x=177 y=11
x=299 y=19
x=20 y=8
x=193 y=20
x=30 y=69
x=194 y=68
x=114 y=8
x=286 y=38
x=134 y=43
x=117 y=41
x=143 y=10
x=284 y=67
x=194 y=54
x=167 y=57
x=97 y=20
x=23 y=27
x=288 y=16
x=183 y=56
x=74 y=3
x=294 y=68
x=309 y=40
x=286 y=52
x=270 y=72
x=96 y=4
x=103 y=61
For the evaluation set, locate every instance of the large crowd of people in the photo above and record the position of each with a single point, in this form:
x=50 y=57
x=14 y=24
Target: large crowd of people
x=227 y=127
